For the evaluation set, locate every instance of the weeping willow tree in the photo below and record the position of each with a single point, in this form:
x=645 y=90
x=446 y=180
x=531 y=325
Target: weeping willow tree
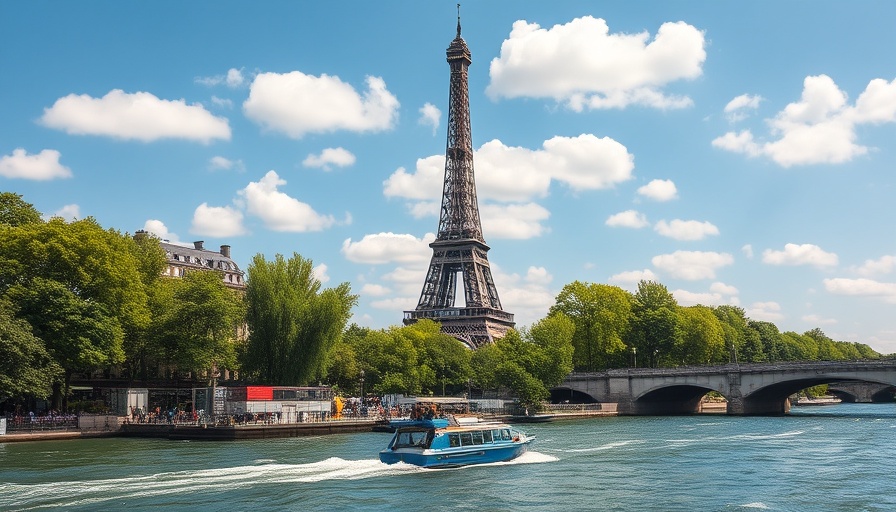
x=293 y=323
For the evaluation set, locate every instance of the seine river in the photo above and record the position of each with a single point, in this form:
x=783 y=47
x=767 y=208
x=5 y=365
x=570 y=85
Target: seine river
x=828 y=458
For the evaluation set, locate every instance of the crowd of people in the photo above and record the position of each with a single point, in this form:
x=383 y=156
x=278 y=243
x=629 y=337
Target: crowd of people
x=48 y=420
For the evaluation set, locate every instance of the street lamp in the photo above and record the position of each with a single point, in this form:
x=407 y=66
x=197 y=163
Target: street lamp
x=635 y=356
x=362 y=385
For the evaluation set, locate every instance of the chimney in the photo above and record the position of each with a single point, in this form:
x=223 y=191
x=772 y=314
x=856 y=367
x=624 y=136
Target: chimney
x=225 y=251
x=198 y=245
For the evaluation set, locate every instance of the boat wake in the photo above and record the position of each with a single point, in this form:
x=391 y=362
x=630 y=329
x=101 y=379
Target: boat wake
x=608 y=446
x=82 y=493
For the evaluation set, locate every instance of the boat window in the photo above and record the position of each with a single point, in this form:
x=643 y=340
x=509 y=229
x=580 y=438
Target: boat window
x=496 y=435
x=477 y=437
x=466 y=438
x=505 y=434
x=487 y=436
x=411 y=439
x=453 y=440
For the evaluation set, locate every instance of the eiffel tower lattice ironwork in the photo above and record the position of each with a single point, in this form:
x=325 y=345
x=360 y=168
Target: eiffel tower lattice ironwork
x=459 y=247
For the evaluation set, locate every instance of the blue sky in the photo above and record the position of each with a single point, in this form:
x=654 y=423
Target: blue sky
x=737 y=152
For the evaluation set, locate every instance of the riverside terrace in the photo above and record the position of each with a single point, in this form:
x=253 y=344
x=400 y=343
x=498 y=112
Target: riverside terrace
x=751 y=389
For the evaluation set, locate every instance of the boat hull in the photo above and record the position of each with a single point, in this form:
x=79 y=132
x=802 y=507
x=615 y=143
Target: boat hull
x=453 y=457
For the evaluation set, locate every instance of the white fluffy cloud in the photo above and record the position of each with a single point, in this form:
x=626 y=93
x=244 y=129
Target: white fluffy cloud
x=765 y=311
x=505 y=173
x=159 y=229
x=633 y=277
x=804 y=254
x=218 y=222
x=320 y=273
x=233 y=79
x=138 y=116
x=514 y=221
x=686 y=229
x=529 y=297
x=383 y=248
x=880 y=266
x=221 y=163
x=279 y=211
x=297 y=104
x=516 y=176
x=862 y=288
x=585 y=66
x=339 y=157
x=627 y=219
x=430 y=116
x=739 y=108
x=659 y=190
x=69 y=212
x=692 y=265
x=821 y=127
x=40 y=167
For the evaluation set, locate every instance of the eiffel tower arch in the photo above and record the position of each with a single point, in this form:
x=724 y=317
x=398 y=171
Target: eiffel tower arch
x=459 y=247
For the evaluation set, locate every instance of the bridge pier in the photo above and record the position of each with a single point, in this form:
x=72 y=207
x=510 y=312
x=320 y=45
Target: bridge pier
x=766 y=407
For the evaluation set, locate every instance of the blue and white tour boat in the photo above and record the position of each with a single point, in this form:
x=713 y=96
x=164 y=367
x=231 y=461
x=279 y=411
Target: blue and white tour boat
x=440 y=443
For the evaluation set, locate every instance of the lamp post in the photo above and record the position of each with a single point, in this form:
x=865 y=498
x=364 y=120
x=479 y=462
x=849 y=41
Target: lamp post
x=635 y=356
x=362 y=385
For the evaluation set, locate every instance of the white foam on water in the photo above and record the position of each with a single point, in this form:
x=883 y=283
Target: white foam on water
x=86 y=492
x=757 y=504
x=608 y=446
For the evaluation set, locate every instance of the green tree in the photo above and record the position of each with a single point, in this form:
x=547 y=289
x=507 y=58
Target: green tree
x=343 y=367
x=14 y=211
x=26 y=368
x=553 y=336
x=798 y=347
x=654 y=322
x=601 y=315
x=293 y=324
x=484 y=363
x=141 y=342
x=743 y=345
x=446 y=357
x=80 y=335
x=81 y=269
x=204 y=321
x=826 y=349
x=700 y=337
x=390 y=361
x=770 y=338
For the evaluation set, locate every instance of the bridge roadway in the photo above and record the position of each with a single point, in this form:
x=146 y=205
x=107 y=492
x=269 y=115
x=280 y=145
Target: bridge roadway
x=751 y=389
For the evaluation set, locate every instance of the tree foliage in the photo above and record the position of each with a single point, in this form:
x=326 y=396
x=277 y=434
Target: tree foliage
x=77 y=285
x=26 y=368
x=293 y=324
x=200 y=328
x=15 y=211
x=654 y=324
x=601 y=315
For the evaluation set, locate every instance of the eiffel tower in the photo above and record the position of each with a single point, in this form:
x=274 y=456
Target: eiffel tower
x=459 y=247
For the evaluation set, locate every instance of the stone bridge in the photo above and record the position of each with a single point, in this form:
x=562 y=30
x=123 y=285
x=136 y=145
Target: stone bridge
x=751 y=389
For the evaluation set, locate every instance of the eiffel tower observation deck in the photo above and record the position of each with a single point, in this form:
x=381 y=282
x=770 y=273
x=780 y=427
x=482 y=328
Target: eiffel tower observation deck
x=459 y=247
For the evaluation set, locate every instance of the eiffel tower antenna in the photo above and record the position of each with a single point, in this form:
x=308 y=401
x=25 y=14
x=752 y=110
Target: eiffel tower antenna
x=459 y=247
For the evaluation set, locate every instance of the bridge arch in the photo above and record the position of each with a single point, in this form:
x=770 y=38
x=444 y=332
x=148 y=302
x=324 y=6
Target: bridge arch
x=749 y=389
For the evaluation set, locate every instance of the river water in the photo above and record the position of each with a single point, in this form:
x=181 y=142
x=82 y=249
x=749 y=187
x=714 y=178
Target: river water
x=831 y=458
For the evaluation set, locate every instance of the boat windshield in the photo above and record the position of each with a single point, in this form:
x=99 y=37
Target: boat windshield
x=412 y=439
